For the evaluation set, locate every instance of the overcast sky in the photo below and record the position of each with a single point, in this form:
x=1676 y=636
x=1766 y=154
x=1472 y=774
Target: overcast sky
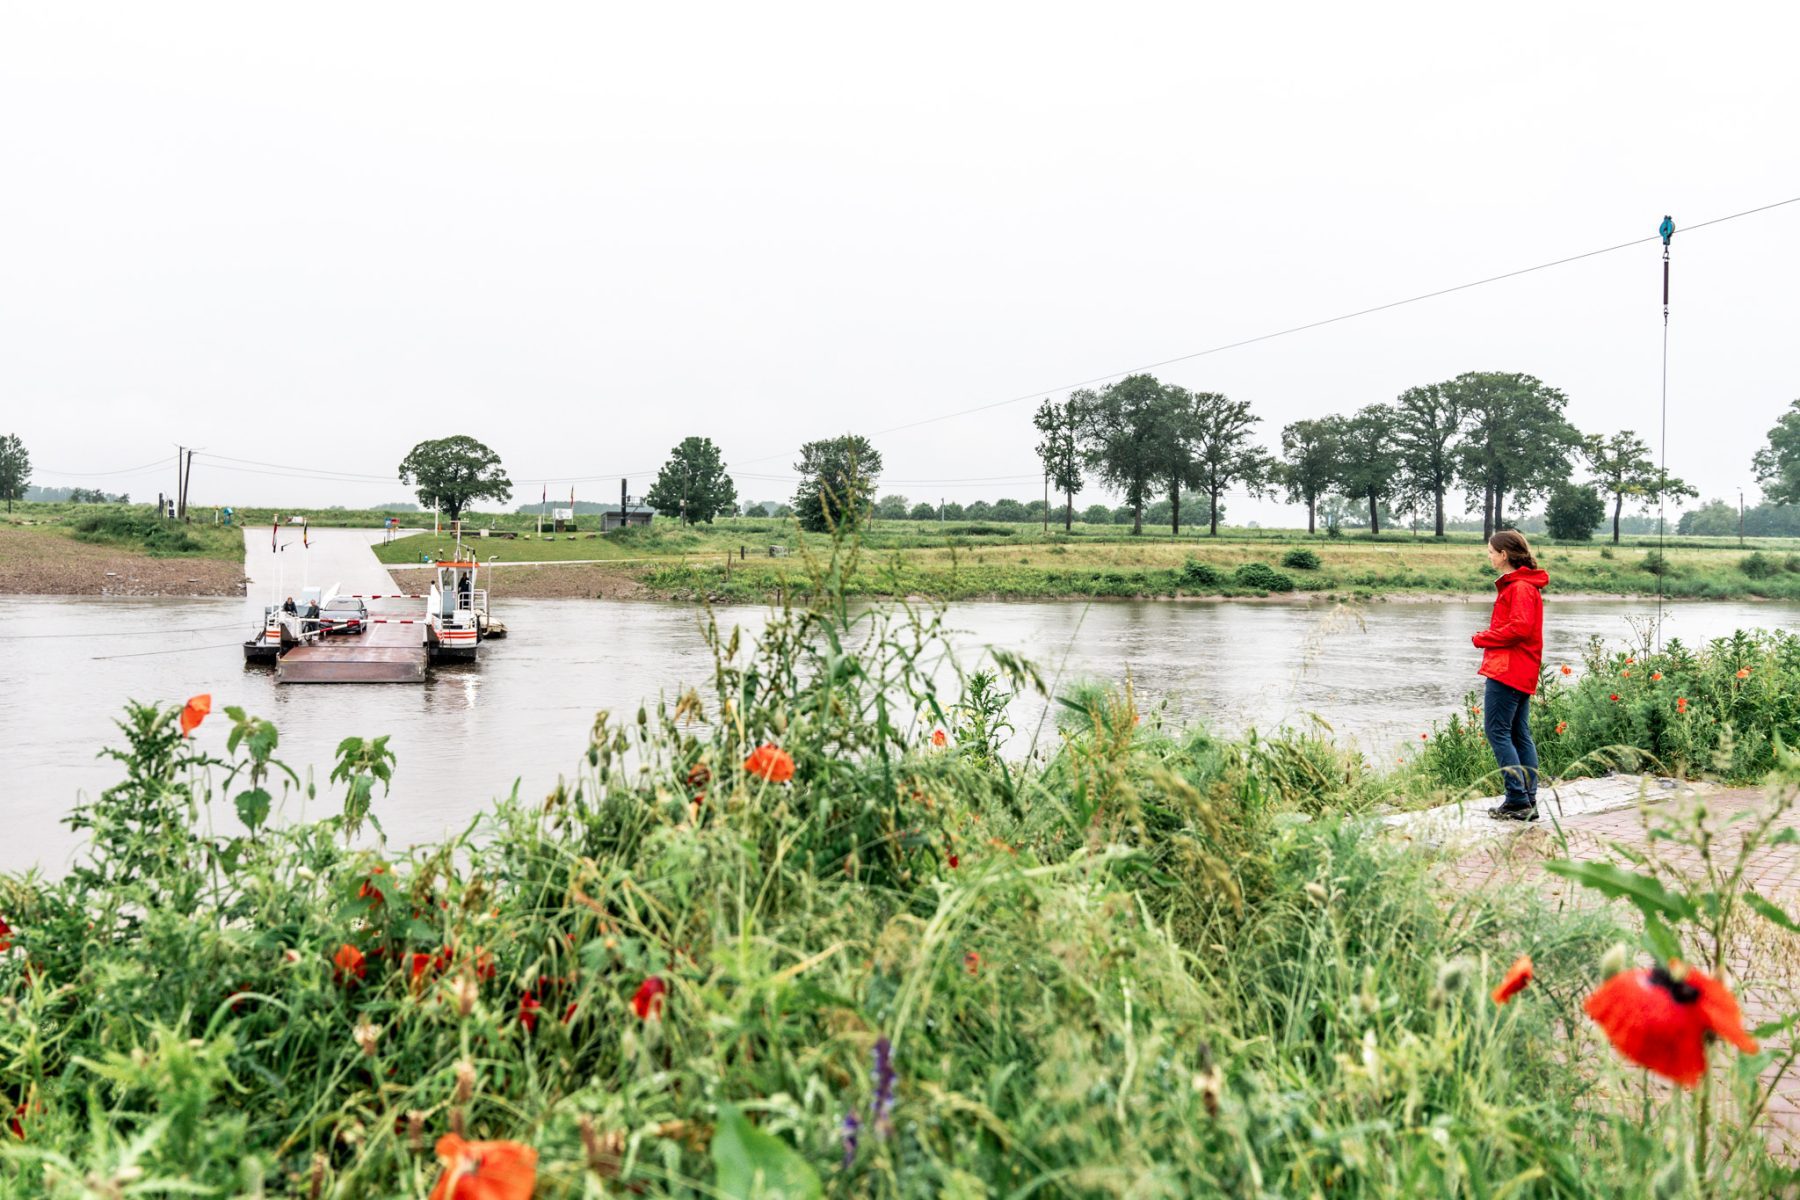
x=315 y=235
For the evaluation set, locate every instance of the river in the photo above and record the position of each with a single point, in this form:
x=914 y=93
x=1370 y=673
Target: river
x=67 y=666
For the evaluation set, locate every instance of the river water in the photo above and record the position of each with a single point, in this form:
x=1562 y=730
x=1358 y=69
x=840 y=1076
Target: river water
x=67 y=666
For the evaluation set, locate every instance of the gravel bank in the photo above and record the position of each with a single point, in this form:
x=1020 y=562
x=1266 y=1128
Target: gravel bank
x=47 y=562
x=572 y=581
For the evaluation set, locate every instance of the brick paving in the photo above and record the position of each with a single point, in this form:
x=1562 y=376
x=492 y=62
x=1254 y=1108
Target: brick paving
x=1763 y=961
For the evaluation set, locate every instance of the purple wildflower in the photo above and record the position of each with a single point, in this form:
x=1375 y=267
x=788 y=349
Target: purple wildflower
x=881 y=1111
x=851 y=1126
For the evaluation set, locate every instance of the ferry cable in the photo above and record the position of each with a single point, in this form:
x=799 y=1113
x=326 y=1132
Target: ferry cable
x=1349 y=316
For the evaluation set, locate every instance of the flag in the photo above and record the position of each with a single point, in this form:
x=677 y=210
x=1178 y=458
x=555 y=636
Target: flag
x=305 y=541
x=275 y=534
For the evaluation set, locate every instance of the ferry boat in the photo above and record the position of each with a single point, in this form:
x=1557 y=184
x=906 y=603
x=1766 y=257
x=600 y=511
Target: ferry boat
x=456 y=613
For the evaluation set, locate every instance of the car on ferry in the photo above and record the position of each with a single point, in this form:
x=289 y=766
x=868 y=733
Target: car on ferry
x=344 y=614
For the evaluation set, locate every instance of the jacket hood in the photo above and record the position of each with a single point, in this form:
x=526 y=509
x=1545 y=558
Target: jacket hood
x=1535 y=576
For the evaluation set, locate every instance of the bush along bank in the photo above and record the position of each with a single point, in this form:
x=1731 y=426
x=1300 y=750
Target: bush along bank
x=1723 y=710
x=808 y=934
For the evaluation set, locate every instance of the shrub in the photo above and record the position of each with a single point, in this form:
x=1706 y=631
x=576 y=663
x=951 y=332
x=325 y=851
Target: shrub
x=1656 y=563
x=1300 y=559
x=1792 y=562
x=1262 y=577
x=1573 y=513
x=1195 y=573
x=1760 y=566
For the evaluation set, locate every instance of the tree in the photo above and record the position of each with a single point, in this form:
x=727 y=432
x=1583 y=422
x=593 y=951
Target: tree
x=924 y=512
x=1516 y=442
x=453 y=473
x=1574 y=512
x=15 y=469
x=693 y=484
x=837 y=482
x=1223 y=453
x=1308 y=463
x=1622 y=467
x=1427 y=423
x=952 y=511
x=891 y=508
x=1777 y=465
x=1368 y=460
x=1060 y=450
x=1096 y=514
x=1010 y=510
x=978 y=510
x=1124 y=435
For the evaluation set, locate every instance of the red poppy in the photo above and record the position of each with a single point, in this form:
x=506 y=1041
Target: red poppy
x=1625 y=674
x=1659 y=1018
x=1656 y=677
x=368 y=890
x=1629 y=661
x=485 y=1170
x=647 y=1002
x=1614 y=697
x=528 y=1011
x=348 y=964
x=955 y=862
x=771 y=763
x=5 y=936
x=194 y=712
x=1424 y=737
x=1567 y=669
x=1743 y=673
x=17 y=1123
x=1518 y=978
x=569 y=1012
x=1681 y=704
x=972 y=963
x=699 y=775
x=1562 y=726
x=939 y=738
x=421 y=963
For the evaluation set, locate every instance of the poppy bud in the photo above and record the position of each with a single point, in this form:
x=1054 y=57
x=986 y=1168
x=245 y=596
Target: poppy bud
x=1616 y=959
x=465 y=991
x=1318 y=893
x=465 y=1080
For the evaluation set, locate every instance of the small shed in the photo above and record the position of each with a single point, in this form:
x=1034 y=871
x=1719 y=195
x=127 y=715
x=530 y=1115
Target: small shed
x=633 y=514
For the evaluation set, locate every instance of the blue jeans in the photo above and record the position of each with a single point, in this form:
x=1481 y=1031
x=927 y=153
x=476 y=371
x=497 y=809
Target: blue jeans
x=1506 y=718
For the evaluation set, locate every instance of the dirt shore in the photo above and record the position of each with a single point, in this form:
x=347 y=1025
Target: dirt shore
x=44 y=562
x=571 y=581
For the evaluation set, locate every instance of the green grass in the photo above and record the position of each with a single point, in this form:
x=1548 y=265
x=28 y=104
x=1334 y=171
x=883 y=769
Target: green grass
x=1150 y=962
x=138 y=528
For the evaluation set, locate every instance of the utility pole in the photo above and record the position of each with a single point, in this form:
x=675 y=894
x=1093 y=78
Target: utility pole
x=180 y=497
x=1740 y=518
x=622 y=501
x=1046 y=502
x=940 y=510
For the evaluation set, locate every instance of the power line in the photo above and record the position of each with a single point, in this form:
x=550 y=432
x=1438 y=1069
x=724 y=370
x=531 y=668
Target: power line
x=344 y=476
x=1319 y=324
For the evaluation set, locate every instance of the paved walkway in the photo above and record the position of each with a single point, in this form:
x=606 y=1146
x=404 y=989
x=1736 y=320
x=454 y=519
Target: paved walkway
x=1601 y=818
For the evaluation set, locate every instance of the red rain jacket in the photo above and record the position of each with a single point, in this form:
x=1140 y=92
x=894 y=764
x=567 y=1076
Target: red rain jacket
x=1513 y=643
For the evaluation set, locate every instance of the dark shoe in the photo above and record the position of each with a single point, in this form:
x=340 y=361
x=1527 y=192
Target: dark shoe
x=1514 y=812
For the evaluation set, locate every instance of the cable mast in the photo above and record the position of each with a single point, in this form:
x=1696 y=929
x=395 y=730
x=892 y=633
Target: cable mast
x=1667 y=229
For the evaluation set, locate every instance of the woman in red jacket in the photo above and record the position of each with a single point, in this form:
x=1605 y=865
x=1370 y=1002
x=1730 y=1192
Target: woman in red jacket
x=1512 y=653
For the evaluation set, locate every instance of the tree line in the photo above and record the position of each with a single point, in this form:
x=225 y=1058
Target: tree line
x=1500 y=439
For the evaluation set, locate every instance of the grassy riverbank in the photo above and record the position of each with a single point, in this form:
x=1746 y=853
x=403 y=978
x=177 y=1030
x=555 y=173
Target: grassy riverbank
x=1153 y=963
x=954 y=562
